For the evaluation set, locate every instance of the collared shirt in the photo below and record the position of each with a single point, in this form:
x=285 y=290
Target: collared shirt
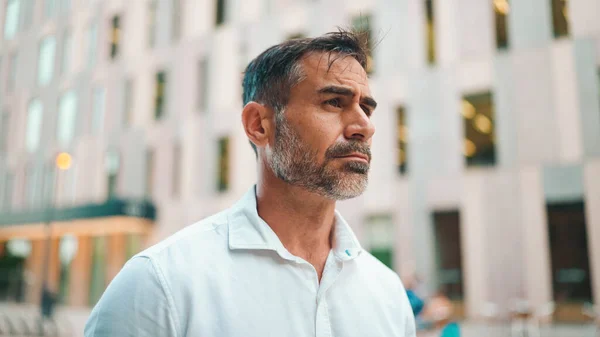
x=229 y=275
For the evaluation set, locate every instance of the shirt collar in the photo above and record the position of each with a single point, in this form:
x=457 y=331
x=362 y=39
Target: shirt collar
x=247 y=230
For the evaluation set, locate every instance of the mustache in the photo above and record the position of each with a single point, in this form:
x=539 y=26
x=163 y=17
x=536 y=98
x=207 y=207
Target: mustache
x=346 y=148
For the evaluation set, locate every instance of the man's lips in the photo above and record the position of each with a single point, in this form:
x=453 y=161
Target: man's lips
x=356 y=156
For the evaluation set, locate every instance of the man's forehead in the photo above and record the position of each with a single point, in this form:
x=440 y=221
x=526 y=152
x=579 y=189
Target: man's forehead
x=334 y=67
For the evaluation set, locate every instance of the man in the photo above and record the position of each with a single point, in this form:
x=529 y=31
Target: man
x=282 y=261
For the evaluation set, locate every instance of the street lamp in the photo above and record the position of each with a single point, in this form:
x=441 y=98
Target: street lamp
x=62 y=162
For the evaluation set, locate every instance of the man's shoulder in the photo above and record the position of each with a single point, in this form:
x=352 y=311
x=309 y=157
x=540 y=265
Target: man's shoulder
x=206 y=237
x=384 y=275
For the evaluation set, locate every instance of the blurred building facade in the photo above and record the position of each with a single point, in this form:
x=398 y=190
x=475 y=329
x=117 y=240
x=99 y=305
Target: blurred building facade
x=485 y=177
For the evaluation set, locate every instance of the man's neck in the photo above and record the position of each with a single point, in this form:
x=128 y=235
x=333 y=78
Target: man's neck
x=302 y=220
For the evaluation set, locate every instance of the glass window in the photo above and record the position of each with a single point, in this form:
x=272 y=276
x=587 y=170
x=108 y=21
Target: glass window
x=380 y=237
x=98 y=109
x=569 y=255
x=176 y=178
x=153 y=4
x=67 y=115
x=479 y=116
x=27 y=18
x=67 y=50
x=223 y=165
x=161 y=86
x=402 y=139
x=4 y=131
x=65 y=6
x=430 y=31
x=112 y=165
x=560 y=17
x=46 y=60
x=220 y=12
x=449 y=255
x=92 y=40
x=176 y=20
x=149 y=173
x=11 y=19
x=49 y=8
x=501 y=10
x=362 y=24
x=34 y=186
x=12 y=71
x=7 y=192
x=202 y=84
x=115 y=36
x=128 y=100
x=35 y=116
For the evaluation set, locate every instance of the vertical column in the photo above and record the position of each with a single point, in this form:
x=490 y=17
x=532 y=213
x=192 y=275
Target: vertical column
x=538 y=282
x=79 y=282
x=474 y=247
x=34 y=269
x=592 y=208
x=116 y=254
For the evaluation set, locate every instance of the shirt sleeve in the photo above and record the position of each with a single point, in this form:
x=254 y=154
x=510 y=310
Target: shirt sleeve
x=136 y=303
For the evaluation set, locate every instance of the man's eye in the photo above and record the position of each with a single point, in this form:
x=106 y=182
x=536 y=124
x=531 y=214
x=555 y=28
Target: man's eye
x=366 y=109
x=334 y=102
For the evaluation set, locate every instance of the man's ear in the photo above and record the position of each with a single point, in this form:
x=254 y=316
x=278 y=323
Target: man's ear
x=258 y=123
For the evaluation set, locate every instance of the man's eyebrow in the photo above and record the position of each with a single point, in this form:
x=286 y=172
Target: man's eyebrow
x=333 y=89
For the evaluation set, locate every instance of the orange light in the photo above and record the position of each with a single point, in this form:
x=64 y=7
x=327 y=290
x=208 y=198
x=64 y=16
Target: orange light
x=63 y=161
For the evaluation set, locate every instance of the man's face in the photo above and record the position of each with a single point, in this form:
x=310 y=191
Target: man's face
x=322 y=139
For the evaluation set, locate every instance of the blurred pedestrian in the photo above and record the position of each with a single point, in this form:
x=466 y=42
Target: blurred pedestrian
x=282 y=261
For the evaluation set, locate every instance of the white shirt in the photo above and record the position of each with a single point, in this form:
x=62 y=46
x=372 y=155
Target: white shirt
x=229 y=275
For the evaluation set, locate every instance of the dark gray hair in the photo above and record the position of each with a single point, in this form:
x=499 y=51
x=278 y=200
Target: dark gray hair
x=269 y=78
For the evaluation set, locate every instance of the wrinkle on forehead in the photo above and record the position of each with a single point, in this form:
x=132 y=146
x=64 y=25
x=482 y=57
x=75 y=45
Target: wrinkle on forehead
x=343 y=68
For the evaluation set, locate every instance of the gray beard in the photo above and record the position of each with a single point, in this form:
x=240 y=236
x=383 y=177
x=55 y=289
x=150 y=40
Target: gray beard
x=295 y=163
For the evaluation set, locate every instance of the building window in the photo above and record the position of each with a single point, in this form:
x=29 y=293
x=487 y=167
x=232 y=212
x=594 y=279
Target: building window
x=65 y=6
x=12 y=72
x=202 y=85
x=176 y=20
x=98 y=109
x=449 y=256
x=569 y=255
x=220 y=14
x=362 y=25
x=560 y=17
x=160 y=95
x=49 y=8
x=478 y=116
x=501 y=10
x=149 y=173
x=27 y=18
x=11 y=19
x=92 y=40
x=176 y=175
x=115 y=36
x=128 y=102
x=67 y=115
x=223 y=165
x=67 y=50
x=46 y=60
x=7 y=192
x=34 y=187
x=380 y=237
x=112 y=164
x=430 y=31
x=4 y=131
x=402 y=139
x=98 y=277
x=35 y=116
x=153 y=4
